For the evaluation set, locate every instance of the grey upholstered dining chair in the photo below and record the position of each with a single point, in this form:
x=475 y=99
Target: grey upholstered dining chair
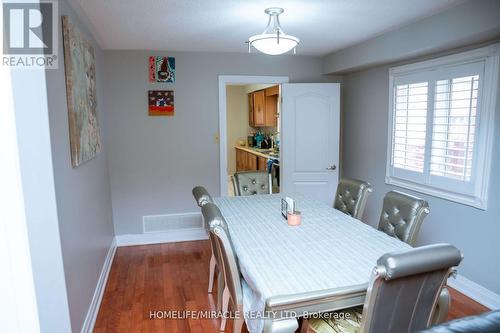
x=232 y=293
x=351 y=197
x=402 y=215
x=202 y=197
x=401 y=295
x=252 y=182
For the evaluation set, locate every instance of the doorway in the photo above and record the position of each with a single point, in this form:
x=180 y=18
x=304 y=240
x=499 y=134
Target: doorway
x=236 y=142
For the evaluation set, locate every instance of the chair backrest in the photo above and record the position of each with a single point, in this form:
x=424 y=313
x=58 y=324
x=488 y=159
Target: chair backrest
x=201 y=196
x=225 y=257
x=351 y=197
x=405 y=286
x=252 y=182
x=213 y=217
x=402 y=215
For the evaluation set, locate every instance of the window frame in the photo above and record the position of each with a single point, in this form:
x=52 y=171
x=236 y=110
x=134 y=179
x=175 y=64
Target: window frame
x=429 y=71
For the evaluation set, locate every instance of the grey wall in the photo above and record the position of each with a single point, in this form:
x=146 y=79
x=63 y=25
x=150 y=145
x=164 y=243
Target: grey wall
x=471 y=22
x=155 y=161
x=83 y=193
x=474 y=231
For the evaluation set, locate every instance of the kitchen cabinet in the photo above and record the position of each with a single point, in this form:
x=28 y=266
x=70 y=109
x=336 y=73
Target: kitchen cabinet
x=251 y=118
x=272 y=91
x=263 y=107
x=261 y=163
x=246 y=161
x=251 y=162
x=241 y=160
x=259 y=108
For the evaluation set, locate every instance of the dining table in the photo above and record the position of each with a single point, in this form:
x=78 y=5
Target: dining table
x=323 y=264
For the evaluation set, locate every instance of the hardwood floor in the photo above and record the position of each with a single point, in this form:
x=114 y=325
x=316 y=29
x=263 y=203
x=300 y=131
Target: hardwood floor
x=174 y=276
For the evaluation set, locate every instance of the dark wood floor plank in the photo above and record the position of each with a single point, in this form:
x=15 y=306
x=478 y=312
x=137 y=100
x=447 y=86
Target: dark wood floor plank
x=174 y=276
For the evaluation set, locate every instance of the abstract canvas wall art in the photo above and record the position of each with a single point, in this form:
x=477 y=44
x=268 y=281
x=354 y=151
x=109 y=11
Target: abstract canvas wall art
x=161 y=69
x=161 y=102
x=79 y=64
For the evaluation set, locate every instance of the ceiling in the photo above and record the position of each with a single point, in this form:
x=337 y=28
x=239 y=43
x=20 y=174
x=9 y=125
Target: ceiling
x=323 y=26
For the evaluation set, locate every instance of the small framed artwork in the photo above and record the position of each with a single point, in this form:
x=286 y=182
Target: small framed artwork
x=161 y=102
x=161 y=69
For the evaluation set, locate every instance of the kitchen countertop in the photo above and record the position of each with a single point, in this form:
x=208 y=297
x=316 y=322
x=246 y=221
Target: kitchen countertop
x=259 y=152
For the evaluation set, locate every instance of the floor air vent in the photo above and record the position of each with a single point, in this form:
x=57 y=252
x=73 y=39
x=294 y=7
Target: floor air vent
x=171 y=222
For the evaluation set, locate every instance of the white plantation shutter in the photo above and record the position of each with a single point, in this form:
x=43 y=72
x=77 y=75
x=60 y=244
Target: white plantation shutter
x=410 y=112
x=454 y=127
x=440 y=129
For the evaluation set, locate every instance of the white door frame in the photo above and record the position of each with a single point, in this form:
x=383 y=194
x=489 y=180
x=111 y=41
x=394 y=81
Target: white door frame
x=224 y=80
x=34 y=286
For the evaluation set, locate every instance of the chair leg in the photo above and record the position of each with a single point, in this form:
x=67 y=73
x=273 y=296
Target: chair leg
x=305 y=326
x=225 y=307
x=238 y=325
x=220 y=288
x=212 y=273
x=239 y=320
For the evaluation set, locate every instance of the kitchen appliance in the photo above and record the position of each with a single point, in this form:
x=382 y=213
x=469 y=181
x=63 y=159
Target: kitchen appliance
x=266 y=143
x=251 y=141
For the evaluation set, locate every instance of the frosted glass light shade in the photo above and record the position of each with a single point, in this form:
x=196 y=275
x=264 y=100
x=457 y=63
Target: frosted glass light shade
x=270 y=44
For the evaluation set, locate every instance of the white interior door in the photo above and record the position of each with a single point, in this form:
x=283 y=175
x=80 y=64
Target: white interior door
x=310 y=120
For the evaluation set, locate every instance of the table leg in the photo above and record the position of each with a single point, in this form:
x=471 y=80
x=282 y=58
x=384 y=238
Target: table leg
x=288 y=325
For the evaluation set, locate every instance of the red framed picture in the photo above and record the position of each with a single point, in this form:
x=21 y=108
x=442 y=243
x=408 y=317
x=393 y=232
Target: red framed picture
x=161 y=102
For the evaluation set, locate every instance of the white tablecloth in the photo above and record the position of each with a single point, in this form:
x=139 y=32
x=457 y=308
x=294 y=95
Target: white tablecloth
x=328 y=250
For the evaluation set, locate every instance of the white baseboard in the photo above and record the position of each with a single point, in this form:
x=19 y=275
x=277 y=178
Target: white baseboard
x=475 y=291
x=181 y=235
x=88 y=324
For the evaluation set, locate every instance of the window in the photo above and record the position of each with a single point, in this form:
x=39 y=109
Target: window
x=441 y=125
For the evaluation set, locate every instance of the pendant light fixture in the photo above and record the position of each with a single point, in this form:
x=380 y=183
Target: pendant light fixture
x=273 y=40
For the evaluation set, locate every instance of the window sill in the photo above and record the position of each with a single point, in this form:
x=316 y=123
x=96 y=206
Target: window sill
x=475 y=202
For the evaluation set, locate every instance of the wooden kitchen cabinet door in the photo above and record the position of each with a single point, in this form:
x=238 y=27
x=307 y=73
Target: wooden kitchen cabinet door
x=271 y=111
x=261 y=163
x=241 y=160
x=251 y=162
x=273 y=91
x=251 y=120
x=259 y=108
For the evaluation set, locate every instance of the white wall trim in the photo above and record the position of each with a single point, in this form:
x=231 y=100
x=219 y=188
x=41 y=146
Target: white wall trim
x=183 y=235
x=88 y=324
x=475 y=291
x=223 y=81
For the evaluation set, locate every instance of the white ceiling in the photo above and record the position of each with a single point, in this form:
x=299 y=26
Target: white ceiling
x=323 y=26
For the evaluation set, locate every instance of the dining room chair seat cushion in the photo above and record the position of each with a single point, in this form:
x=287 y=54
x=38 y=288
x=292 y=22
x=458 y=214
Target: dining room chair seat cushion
x=341 y=321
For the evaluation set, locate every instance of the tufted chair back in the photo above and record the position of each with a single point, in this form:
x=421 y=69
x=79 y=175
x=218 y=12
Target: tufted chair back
x=402 y=215
x=252 y=182
x=351 y=197
x=404 y=288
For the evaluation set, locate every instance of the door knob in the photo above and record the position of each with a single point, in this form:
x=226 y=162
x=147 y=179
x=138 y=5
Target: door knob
x=332 y=167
